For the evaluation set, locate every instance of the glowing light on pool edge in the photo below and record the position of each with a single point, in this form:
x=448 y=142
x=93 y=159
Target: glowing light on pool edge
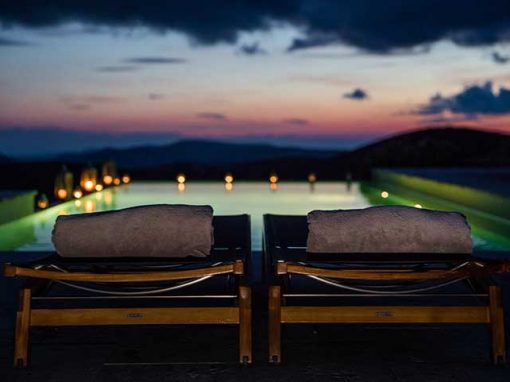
x=99 y=187
x=229 y=178
x=126 y=179
x=385 y=194
x=77 y=193
x=42 y=202
x=181 y=179
x=312 y=178
x=107 y=180
x=88 y=185
x=116 y=181
x=418 y=206
x=273 y=179
x=62 y=193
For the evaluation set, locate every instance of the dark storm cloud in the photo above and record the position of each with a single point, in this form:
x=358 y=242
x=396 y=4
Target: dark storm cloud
x=251 y=49
x=156 y=60
x=500 y=58
x=116 y=69
x=357 y=94
x=376 y=26
x=296 y=121
x=213 y=116
x=473 y=100
x=11 y=42
x=311 y=42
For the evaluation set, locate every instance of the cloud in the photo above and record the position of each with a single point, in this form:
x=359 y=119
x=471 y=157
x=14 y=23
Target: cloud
x=500 y=58
x=84 y=103
x=357 y=94
x=116 y=69
x=7 y=42
x=212 y=116
x=155 y=60
x=375 y=26
x=79 y=107
x=100 y=99
x=251 y=49
x=296 y=121
x=440 y=120
x=471 y=101
x=155 y=96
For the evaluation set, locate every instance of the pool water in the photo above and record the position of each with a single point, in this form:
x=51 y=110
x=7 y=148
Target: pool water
x=33 y=233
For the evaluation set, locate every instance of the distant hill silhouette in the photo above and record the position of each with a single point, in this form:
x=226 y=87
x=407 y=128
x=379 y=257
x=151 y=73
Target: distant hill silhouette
x=4 y=159
x=191 y=151
x=202 y=160
x=438 y=147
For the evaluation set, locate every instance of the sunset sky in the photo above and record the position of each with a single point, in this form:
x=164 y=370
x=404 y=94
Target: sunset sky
x=310 y=73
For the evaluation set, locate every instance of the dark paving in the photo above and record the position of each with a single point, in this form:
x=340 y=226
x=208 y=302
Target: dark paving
x=209 y=353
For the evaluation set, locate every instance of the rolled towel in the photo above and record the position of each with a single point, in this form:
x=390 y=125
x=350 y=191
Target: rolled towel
x=386 y=229
x=144 y=231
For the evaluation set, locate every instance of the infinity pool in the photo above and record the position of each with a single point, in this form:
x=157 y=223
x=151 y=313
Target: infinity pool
x=33 y=233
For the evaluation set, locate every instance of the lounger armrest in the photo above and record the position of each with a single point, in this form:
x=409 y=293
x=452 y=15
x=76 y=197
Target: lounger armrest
x=236 y=268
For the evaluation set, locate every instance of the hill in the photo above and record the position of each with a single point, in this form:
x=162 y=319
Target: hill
x=198 y=152
x=436 y=147
x=4 y=159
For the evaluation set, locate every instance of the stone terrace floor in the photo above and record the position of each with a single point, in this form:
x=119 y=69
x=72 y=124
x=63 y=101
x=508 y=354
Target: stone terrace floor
x=209 y=353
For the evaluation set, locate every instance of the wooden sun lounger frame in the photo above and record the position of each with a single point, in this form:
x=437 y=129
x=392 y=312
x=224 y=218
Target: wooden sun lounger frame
x=478 y=271
x=240 y=314
x=28 y=317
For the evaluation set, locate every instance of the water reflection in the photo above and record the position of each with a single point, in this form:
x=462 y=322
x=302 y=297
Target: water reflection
x=90 y=206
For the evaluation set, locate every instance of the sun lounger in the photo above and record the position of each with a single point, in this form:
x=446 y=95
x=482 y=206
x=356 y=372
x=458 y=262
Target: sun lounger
x=86 y=291
x=388 y=287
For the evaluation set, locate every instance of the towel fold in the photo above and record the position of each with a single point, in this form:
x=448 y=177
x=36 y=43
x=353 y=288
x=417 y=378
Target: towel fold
x=388 y=229
x=144 y=231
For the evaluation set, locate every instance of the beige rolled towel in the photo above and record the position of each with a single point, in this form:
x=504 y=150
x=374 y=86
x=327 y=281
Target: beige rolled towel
x=144 y=231
x=388 y=229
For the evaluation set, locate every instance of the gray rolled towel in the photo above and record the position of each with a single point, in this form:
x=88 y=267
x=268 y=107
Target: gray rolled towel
x=145 y=231
x=387 y=229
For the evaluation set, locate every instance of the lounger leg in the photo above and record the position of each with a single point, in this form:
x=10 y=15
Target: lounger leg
x=274 y=324
x=22 y=329
x=497 y=325
x=245 y=348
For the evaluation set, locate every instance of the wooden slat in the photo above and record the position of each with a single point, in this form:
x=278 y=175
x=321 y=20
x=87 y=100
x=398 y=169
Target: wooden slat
x=23 y=323
x=274 y=321
x=384 y=314
x=134 y=316
x=497 y=325
x=245 y=327
x=12 y=271
x=372 y=274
